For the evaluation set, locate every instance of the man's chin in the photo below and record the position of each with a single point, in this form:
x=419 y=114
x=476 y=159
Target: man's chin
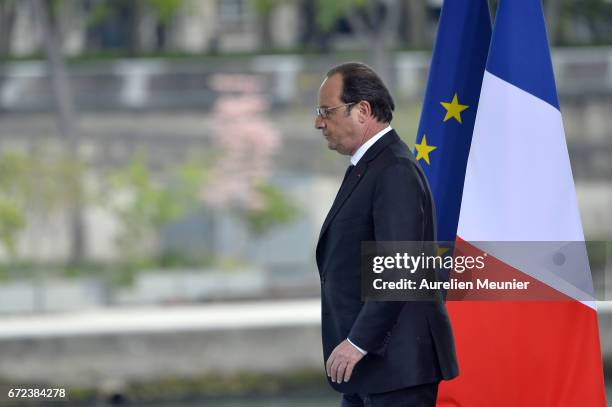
x=336 y=148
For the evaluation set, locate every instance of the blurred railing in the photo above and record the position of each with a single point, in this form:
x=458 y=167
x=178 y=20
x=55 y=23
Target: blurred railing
x=155 y=84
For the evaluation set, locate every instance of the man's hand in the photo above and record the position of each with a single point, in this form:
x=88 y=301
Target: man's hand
x=341 y=362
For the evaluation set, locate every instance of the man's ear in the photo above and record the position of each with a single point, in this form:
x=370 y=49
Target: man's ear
x=365 y=110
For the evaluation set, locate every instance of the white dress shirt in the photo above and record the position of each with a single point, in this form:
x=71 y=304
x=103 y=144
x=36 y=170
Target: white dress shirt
x=354 y=160
x=365 y=146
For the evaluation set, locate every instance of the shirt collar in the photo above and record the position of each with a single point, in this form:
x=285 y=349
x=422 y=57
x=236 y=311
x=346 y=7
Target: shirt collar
x=365 y=146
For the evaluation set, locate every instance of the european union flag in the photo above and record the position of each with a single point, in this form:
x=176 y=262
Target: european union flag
x=449 y=108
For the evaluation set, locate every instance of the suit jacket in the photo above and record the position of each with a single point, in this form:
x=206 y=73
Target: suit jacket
x=386 y=197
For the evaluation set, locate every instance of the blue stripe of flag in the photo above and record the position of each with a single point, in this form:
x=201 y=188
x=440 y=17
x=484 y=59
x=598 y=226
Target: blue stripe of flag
x=519 y=49
x=457 y=67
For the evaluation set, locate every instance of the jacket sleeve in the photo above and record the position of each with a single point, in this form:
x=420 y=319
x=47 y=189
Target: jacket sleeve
x=400 y=214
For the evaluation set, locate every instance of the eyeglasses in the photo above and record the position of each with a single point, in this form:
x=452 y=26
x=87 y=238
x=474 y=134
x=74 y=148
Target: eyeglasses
x=323 y=112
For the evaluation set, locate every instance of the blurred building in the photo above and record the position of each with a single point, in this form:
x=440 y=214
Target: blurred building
x=224 y=26
x=199 y=26
x=194 y=26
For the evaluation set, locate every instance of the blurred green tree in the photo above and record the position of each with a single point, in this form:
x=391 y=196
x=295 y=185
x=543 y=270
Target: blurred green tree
x=374 y=23
x=583 y=22
x=264 y=9
x=12 y=220
x=48 y=17
x=145 y=203
x=276 y=210
x=35 y=188
x=8 y=10
x=129 y=15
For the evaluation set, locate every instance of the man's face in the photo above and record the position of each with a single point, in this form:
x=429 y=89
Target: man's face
x=339 y=128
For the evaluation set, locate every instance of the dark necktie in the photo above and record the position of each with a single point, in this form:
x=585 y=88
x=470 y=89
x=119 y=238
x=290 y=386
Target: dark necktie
x=348 y=171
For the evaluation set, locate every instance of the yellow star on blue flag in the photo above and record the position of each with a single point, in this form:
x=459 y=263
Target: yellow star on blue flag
x=423 y=149
x=453 y=109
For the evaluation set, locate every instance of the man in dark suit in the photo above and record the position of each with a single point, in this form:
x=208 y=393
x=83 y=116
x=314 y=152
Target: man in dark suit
x=377 y=353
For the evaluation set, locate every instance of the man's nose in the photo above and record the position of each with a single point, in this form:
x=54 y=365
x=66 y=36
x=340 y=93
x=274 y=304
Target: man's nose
x=319 y=123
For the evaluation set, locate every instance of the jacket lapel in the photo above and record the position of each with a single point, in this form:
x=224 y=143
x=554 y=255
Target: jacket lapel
x=355 y=176
x=344 y=192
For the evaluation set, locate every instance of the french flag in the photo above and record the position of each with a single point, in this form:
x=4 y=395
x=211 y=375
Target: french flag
x=519 y=187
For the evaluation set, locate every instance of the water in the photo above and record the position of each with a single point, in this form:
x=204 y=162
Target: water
x=328 y=401
x=332 y=401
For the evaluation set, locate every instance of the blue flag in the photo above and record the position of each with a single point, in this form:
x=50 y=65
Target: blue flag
x=450 y=104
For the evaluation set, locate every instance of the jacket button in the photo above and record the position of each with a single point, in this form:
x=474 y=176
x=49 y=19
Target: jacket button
x=322 y=280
